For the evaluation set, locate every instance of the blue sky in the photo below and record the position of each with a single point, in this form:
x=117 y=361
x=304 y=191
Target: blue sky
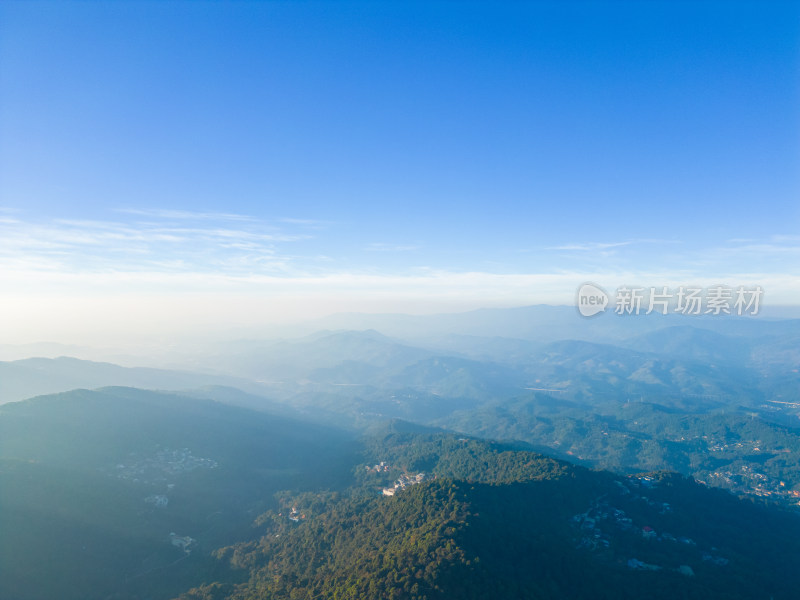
x=311 y=157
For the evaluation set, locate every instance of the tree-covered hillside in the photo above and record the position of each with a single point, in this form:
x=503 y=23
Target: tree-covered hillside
x=500 y=522
x=124 y=491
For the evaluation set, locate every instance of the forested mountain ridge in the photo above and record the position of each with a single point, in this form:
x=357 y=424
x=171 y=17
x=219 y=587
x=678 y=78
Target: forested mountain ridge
x=93 y=484
x=510 y=524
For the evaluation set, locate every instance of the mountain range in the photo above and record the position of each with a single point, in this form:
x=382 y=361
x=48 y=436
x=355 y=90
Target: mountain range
x=138 y=482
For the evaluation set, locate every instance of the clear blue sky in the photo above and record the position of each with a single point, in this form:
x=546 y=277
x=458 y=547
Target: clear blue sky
x=399 y=140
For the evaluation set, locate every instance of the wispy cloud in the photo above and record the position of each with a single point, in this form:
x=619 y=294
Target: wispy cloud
x=184 y=215
x=310 y=223
x=175 y=241
x=772 y=248
x=95 y=273
x=382 y=247
x=589 y=247
x=794 y=239
x=606 y=246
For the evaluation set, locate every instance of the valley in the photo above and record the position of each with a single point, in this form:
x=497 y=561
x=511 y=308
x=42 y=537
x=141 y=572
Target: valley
x=627 y=463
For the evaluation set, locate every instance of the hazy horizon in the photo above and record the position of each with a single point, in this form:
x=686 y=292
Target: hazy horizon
x=171 y=168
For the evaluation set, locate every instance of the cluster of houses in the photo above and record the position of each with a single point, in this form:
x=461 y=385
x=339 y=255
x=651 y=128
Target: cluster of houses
x=379 y=468
x=635 y=563
x=296 y=515
x=157 y=500
x=715 y=560
x=601 y=511
x=646 y=482
x=166 y=463
x=185 y=543
x=403 y=482
x=748 y=480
